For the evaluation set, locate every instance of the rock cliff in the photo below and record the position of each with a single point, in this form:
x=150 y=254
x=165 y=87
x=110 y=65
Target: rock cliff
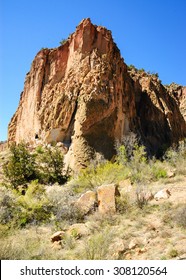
x=83 y=95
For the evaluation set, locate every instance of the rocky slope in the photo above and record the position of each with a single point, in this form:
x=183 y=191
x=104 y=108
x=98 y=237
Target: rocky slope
x=83 y=95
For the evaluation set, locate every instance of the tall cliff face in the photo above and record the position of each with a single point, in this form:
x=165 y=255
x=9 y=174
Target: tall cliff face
x=83 y=95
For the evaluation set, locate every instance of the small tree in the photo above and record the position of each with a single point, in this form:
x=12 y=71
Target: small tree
x=21 y=167
x=63 y=41
x=52 y=166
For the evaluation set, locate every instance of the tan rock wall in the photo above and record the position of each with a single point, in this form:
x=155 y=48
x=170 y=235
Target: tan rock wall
x=81 y=94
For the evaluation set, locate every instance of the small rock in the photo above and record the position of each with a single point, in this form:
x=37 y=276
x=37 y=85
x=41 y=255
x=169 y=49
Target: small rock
x=163 y=194
x=132 y=244
x=182 y=257
x=57 y=236
x=117 y=248
x=78 y=230
x=56 y=245
x=141 y=250
x=106 y=198
x=170 y=174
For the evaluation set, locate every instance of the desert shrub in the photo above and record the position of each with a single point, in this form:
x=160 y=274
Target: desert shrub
x=134 y=157
x=45 y=164
x=8 y=207
x=9 y=252
x=51 y=165
x=93 y=176
x=125 y=147
x=97 y=246
x=18 y=211
x=141 y=196
x=64 y=209
x=123 y=203
x=21 y=166
x=63 y=41
x=176 y=157
x=138 y=164
x=180 y=216
x=172 y=253
x=35 y=207
x=158 y=170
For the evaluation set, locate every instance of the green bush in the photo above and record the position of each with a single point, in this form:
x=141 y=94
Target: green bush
x=103 y=173
x=63 y=41
x=97 y=246
x=21 y=166
x=8 y=206
x=176 y=157
x=45 y=164
x=134 y=157
x=35 y=206
x=51 y=165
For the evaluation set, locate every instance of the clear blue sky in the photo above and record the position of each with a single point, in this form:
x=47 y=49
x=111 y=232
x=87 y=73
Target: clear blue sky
x=150 y=35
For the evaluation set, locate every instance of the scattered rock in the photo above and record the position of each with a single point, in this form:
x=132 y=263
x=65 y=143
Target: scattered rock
x=141 y=250
x=56 y=245
x=133 y=243
x=162 y=194
x=87 y=202
x=117 y=248
x=78 y=230
x=106 y=198
x=170 y=174
x=57 y=236
x=182 y=257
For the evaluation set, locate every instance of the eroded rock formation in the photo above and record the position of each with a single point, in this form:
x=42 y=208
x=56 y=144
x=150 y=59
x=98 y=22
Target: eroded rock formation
x=83 y=95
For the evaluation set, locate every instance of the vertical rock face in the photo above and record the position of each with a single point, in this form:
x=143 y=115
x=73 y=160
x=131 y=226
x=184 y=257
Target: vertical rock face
x=82 y=94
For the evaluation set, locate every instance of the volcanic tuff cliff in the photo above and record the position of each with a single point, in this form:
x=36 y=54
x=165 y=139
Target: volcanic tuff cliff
x=84 y=95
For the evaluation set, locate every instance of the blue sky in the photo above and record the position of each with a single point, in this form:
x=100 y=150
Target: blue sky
x=149 y=34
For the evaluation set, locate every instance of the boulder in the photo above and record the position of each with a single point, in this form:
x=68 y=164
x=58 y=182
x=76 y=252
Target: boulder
x=162 y=194
x=87 y=202
x=106 y=198
x=57 y=236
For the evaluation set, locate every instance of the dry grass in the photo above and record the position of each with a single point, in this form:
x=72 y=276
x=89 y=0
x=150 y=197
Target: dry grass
x=157 y=230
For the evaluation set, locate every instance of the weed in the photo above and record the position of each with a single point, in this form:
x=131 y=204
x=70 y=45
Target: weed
x=173 y=253
x=97 y=246
x=180 y=216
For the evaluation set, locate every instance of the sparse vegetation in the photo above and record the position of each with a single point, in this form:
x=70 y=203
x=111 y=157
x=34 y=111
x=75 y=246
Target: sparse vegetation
x=180 y=216
x=63 y=41
x=36 y=203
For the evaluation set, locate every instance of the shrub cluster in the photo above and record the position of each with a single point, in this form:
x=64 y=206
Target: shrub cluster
x=44 y=164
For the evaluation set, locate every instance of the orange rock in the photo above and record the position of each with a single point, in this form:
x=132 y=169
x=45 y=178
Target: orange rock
x=106 y=198
x=86 y=202
x=83 y=95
